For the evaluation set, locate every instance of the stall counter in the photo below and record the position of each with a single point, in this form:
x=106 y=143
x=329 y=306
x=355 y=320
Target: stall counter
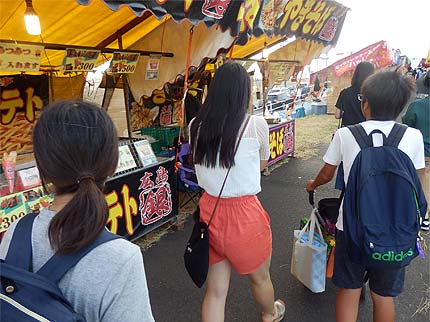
x=139 y=201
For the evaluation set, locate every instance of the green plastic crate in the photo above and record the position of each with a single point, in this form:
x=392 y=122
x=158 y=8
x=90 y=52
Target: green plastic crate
x=164 y=134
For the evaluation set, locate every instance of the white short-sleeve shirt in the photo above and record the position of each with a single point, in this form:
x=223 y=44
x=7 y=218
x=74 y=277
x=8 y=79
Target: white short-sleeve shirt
x=244 y=177
x=344 y=148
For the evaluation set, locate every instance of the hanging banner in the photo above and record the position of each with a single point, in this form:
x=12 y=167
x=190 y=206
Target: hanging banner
x=320 y=21
x=123 y=63
x=20 y=58
x=317 y=20
x=80 y=60
x=378 y=54
x=22 y=98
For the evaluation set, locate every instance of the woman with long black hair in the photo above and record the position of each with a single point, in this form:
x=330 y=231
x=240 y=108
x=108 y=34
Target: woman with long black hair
x=348 y=105
x=76 y=149
x=240 y=234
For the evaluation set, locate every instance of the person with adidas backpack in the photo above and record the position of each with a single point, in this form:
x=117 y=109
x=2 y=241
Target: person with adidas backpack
x=62 y=265
x=383 y=204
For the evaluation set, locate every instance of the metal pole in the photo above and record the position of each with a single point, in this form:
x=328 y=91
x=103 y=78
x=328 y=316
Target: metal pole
x=125 y=89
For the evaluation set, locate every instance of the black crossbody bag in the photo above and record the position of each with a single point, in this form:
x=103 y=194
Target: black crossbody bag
x=196 y=255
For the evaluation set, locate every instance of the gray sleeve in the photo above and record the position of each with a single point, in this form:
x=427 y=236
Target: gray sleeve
x=5 y=242
x=127 y=297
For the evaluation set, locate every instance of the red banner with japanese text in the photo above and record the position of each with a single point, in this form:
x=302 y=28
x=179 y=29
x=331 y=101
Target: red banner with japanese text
x=22 y=98
x=143 y=200
x=378 y=54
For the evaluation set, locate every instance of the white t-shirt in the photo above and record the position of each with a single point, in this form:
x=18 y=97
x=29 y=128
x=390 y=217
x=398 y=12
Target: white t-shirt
x=344 y=148
x=244 y=177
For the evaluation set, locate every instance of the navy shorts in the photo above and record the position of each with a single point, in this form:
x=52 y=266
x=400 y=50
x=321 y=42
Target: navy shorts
x=349 y=275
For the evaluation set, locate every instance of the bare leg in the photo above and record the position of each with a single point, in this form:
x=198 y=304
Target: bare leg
x=218 y=281
x=347 y=301
x=262 y=289
x=383 y=308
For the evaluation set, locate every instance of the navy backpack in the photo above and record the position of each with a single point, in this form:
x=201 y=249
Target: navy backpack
x=383 y=202
x=35 y=296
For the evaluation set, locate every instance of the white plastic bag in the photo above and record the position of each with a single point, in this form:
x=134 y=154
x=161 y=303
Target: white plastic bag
x=309 y=259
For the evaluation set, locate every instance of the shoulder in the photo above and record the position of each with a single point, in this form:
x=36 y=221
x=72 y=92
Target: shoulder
x=413 y=136
x=259 y=121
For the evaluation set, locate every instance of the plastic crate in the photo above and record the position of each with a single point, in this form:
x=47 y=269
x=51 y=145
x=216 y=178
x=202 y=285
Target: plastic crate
x=156 y=146
x=169 y=133
x=164 y=134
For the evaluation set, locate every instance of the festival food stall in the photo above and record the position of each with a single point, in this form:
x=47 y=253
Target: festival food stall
x=339 y=74
x=158 y=50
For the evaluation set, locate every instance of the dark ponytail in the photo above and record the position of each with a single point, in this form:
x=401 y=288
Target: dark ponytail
x=76 y=149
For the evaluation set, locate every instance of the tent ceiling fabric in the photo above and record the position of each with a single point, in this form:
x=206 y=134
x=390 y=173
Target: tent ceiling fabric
x=206 y=43
x=68 y=22
x=89 y=23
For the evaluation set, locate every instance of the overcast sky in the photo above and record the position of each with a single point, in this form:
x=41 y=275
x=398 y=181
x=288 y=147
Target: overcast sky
x=404 y=24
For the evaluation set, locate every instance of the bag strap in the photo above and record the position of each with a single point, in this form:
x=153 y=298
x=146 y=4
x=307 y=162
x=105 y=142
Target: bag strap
x=19 y=253
x=228 y=171
x=396 y=134
x=57 y=266
x=360 y=136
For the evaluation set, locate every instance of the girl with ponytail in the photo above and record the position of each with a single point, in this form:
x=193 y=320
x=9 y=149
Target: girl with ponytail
x=76 y=150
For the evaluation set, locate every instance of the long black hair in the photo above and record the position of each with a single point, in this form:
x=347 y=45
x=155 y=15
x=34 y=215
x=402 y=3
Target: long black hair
x=216 y=127
x=361 y=72
x=76 y=149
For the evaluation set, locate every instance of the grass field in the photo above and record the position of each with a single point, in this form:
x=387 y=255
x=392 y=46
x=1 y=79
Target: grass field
x=311 y=131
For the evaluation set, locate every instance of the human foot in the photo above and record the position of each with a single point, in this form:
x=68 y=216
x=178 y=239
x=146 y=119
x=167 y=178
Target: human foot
x=278 y=315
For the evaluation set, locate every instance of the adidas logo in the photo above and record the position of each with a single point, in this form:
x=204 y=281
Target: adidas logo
x=391 y=256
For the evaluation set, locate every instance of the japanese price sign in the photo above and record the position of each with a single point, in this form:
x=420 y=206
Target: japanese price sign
x=281 y=141
x=123 y=62
x=142 y=201
x=80 y=59
x=17 y=205
x=20 y=58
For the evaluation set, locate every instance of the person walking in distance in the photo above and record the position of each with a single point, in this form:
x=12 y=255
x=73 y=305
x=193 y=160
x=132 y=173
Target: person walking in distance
x=418 y=116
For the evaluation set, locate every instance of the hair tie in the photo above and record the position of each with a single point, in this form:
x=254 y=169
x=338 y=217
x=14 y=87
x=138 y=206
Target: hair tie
x=82 y=178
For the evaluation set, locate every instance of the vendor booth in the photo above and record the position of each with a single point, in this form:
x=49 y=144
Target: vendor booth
x=158 y=51
x=339 y=75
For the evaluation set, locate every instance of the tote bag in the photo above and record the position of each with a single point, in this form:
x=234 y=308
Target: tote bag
x=309 y=259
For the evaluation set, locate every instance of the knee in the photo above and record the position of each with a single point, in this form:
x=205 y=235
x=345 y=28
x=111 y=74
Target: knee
x=217 y=290
x=260 y=279
x=381 y=300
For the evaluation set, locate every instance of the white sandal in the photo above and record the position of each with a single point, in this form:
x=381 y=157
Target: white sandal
x=279 y=311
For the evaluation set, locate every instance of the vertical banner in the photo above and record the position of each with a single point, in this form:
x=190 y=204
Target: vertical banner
x=281 y=141
x=142 y=201
x=22 y=98
x=20 y=58
x=80 y=60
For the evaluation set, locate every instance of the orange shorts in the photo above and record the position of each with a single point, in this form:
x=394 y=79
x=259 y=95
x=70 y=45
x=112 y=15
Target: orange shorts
x=240 y=232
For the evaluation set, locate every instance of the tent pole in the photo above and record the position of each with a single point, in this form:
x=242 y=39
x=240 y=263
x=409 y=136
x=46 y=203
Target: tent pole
x=52 y=46
x=125 y=89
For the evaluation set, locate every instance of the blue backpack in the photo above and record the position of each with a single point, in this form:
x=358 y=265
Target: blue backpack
x=28 y=296
x=383 y=202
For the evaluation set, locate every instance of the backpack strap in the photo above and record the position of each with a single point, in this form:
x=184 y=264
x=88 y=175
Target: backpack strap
x=360 y=136
x=19 y=253
x=57 y=266
x=396 y=134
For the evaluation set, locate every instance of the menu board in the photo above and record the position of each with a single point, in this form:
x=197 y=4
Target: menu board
x=145 y=153
x=126 y=160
